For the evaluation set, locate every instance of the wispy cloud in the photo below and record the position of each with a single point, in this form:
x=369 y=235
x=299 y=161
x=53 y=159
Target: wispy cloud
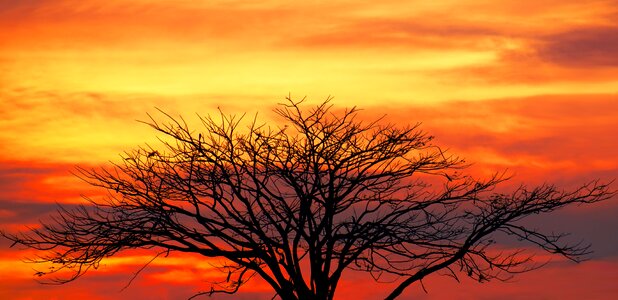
x=563 y=136
x=594 y=47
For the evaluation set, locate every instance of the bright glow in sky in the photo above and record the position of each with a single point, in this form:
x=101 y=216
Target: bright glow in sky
x=531 y=86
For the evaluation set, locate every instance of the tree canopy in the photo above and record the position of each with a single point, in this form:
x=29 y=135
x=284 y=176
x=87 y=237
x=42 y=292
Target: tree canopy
x=300 y=203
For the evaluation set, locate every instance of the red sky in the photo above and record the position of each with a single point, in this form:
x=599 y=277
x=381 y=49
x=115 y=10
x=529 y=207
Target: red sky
x=528 y=86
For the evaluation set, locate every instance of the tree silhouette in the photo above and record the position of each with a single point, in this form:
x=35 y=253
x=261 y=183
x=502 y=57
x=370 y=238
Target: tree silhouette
x=300 y=204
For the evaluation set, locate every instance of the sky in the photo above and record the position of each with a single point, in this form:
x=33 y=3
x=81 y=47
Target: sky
x=525 y=86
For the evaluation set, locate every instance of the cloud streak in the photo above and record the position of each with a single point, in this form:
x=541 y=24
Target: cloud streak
x=582 y=48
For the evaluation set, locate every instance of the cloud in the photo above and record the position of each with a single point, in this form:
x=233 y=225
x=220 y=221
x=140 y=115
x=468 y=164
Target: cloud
x=51 y=126
x=29 y=189
x=46 y=105
x=113 y=274
x=440 y=32
x=591 y=280
x=582 y=47
x=54 y=126
x=139 y=26
x=567 y=138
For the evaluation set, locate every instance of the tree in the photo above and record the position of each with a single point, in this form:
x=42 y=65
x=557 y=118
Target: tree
x=300 y=204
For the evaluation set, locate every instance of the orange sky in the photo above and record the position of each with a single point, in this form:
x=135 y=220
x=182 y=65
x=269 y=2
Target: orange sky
x=526 y=85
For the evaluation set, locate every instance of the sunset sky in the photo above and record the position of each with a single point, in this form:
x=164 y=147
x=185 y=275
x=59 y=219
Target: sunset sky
x=528 y=86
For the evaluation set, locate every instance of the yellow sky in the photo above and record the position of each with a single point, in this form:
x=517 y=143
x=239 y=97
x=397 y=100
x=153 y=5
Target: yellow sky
x=74 y=75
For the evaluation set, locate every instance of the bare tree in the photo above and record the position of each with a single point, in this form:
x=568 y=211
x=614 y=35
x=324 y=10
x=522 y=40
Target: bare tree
x=300 y=204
